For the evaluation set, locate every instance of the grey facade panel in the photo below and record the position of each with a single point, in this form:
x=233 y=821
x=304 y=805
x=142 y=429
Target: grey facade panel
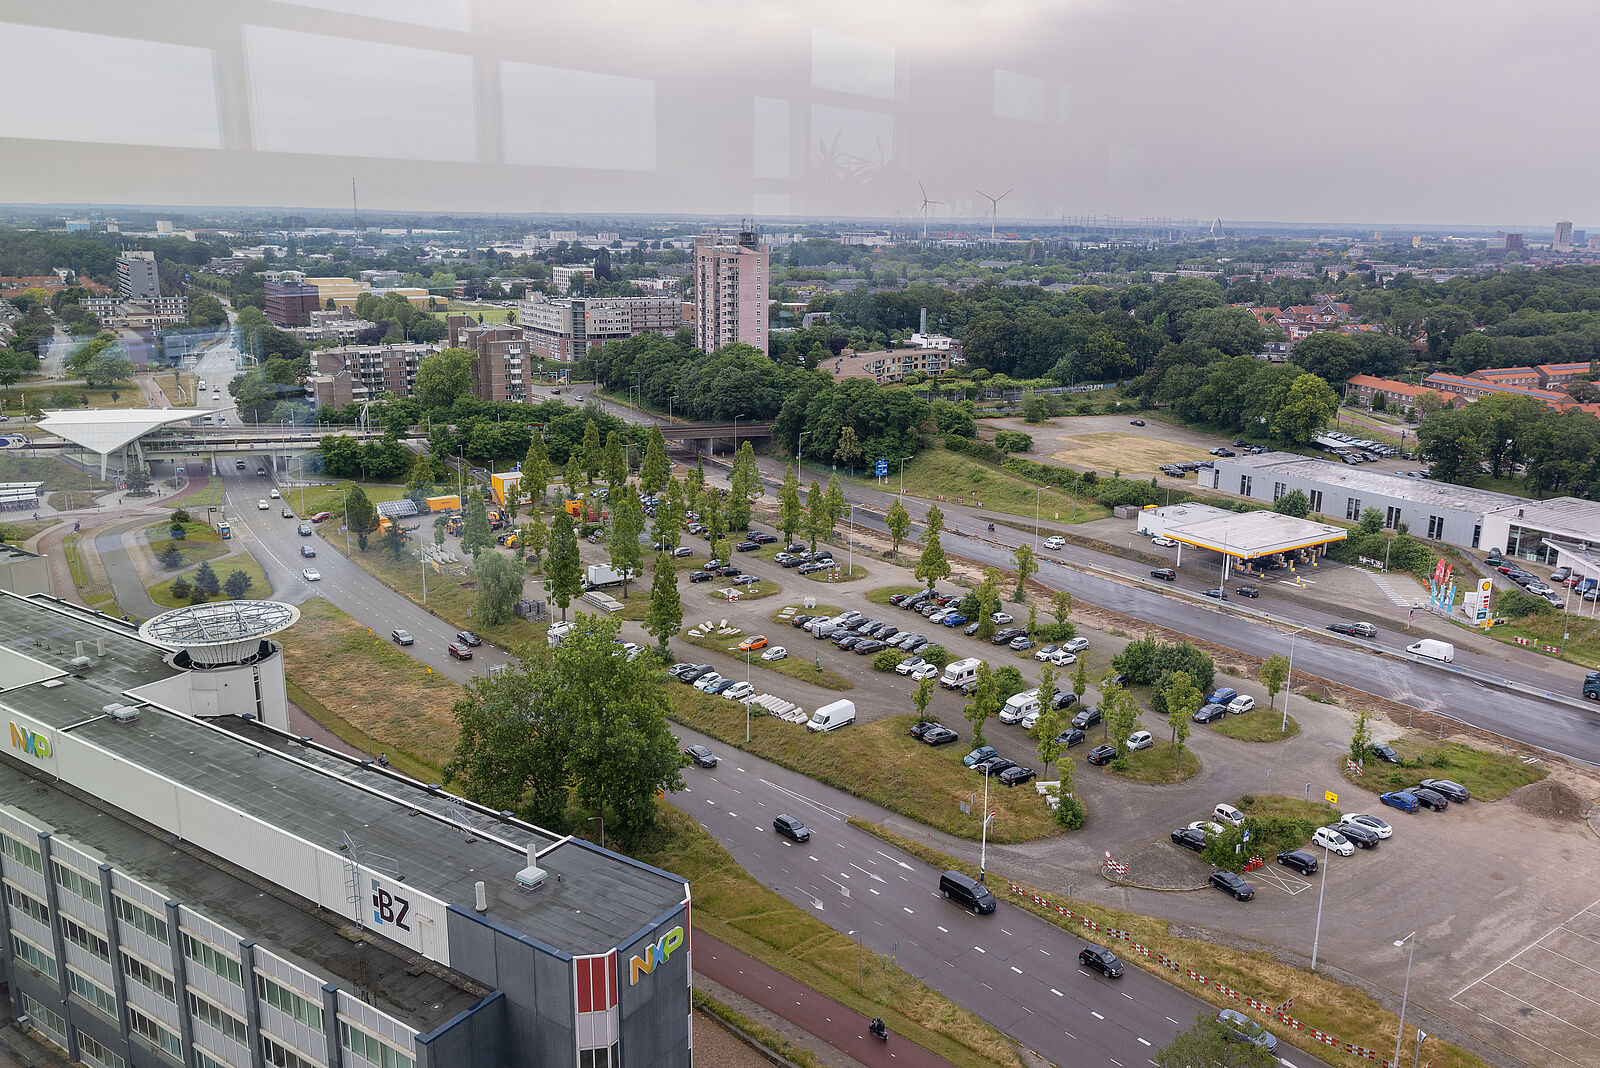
x=653 y=1011
x=475 y=1037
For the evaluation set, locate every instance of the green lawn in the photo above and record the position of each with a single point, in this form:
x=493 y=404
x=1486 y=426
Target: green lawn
x=1159 y=764
x=330 y=498
x=1261 y=725
x=814 y=610
x=200 y=542
x=1581 y=647
x=939 y=472
x=1488 y=775
x=882 y=594
x=764 y=588
x=161 y=592
x=450 y=597
x=835 y=575
x=796 y=667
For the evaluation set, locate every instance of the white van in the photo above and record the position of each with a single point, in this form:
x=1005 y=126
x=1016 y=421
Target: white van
x=821 y=628
x=1055 y=543
x=958 y=673
x=1019 y=705
x=1433 y=649
x=831 y=716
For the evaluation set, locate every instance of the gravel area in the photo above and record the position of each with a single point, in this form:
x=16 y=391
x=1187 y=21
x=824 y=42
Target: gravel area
x=1550 y=799
x=1164 y=866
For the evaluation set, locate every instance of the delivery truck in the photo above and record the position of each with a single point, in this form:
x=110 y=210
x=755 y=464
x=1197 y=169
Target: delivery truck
x=600 y=575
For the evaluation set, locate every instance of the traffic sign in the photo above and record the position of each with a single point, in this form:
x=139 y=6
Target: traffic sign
x=1330 y=797
x=883 y=468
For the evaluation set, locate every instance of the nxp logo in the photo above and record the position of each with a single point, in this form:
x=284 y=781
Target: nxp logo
x=35 y=745
x=655 y=955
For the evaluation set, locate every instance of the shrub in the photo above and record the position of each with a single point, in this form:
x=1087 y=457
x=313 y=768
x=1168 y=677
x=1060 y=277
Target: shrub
x=1070 y=813
x=886 y=660
x=1055 y=632
x=937 y=655
x=181 y=515
x=180 y=588
x=1013 y=441
x=1520 y=603
x=1008 y=681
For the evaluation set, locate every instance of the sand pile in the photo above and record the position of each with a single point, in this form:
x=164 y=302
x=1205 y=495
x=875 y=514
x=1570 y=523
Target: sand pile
x=1550 y=799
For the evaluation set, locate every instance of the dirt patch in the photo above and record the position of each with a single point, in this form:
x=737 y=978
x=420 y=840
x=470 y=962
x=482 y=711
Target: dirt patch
x=1552 y=800
x=1112 y=451
x=1163 y=866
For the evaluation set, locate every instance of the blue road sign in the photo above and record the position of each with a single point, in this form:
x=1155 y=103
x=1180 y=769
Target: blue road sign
x=883 y=468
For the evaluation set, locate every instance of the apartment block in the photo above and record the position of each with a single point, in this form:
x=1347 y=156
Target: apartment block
x=561 y=276
x=136 y=276
x=355 y=373
x=500 y=372
x=564 y=329
x=731 y=285
x=290 y=302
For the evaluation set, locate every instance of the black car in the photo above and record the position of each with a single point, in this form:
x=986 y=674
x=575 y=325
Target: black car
x=763 y=538
x=1247 y=591
x=1431 y=799
x=466 y=637
x=308 y=552
x=1070 y=737
x=869 y=646
x=701 y=576
x=1210 y=714
x=1359 y=630
x=1190 y=838
x=939 y=736
x=694 y=672
x=1065 y=700
x=923 y=727
x=728 y=571
x=747 y=547
x=896 y=598
x=1101 y=755
x=1232 y=884
x=849 y=641
x=800 y=621
x=1299 y=860
x=791 y=827
x=994 y=765
x=701 y=756
x=1219 y=593
x=797 y=547
x=1101 y=960
x=1386 y=754
x=1087 y=717
x=1014 y=775
x=305 y=530
x=1365 y=837
x=1452 y=791
x=1165 y=574
x=1004 y=635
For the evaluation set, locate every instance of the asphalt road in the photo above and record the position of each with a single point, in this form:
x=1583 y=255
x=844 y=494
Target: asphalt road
x=1015 y=970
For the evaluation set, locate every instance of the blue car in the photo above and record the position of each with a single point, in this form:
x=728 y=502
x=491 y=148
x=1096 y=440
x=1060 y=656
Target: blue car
x=1404 y=800
x=954 y=619
x=1222 y=696
x=978 y=755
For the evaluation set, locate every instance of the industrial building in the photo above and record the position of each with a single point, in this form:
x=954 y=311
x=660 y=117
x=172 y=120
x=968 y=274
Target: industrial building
x=1563 y=530
x=188 y=883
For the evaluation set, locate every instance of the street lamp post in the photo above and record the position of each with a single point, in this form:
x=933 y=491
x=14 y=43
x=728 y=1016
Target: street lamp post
x=902 y=493
x=983 y=847
x=736 y=432
x=1038 y=495
x=1398 y=1035
x=1288 y=681
x=799 y=441
x=850 y=552
x=1322 y=890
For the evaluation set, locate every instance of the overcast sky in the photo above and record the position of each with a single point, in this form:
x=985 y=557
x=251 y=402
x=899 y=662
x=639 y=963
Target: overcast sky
x=1381 y=112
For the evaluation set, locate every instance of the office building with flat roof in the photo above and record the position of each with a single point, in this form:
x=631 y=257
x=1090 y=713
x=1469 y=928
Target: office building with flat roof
x=730 y=291
x=290 y=302
x=137 y=278
x=1562 y=530
x=195 y=886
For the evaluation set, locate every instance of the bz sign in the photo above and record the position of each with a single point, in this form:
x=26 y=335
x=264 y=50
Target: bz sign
x=389 y=908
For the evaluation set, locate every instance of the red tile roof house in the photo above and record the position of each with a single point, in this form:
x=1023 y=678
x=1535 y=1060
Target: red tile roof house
x=1525 y=377
x=1400 y=395
x=1473 y=388
x=1559 y=374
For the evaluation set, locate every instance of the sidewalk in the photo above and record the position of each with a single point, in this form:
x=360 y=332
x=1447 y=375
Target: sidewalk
x=839 y=1026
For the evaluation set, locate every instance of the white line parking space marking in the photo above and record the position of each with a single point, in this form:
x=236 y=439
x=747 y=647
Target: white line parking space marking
x=903 y=909
x=1143 y=1040
x=943 y=930
x=1007 y=933
x=980 y=949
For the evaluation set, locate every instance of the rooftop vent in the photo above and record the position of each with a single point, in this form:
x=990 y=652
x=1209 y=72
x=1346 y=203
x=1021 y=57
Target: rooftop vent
x=532 y=875
x=120 y=711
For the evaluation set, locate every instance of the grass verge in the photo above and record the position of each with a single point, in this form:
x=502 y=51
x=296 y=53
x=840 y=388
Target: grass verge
x=734 y=907
x=161 y=592
x=1583 y=647
x=764 y=588
x=882 y=594
x=938 y=472
x=199 y=542
x=1259 y=728
x=1318 y=1002
x=763 y=1036
x=450 y=597
x=56 y=474
x=1160 y=764
x=330 y=498
x=878 y=762
x=1488 y=775
x=796 y=667
x=833 y=575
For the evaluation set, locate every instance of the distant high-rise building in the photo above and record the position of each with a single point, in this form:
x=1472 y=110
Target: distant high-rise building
x=290 y=302
x=1513 y=242
x=730 y=284
x=1563 y=241
x=1580 y=238
x=136 y=275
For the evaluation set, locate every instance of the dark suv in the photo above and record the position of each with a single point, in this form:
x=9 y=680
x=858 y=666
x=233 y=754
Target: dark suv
x=1087 y=717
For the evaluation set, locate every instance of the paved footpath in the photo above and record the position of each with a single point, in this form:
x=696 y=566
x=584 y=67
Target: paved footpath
x=836 y=1024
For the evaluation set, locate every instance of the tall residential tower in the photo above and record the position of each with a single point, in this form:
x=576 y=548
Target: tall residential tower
x=730 y=285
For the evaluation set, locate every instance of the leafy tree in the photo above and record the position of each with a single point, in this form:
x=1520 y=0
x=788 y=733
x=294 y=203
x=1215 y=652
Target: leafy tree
x=1361 y=736
x=933 y=518
x=899 y=521
x=1061 y=605
x=444 y=377
x=563 y=575
x=138 y=479
x=744 y=482
x=665 y=614
x=1295 y=503
x=819 y=523
x=668 y=526
x=392 y=541
x=614 y=464
x=932 y=565
x=986 y=602
x=475 y=533
x=627 y=525
x=1371 y=521
x=180 y=516
x=534 y=537
x=791 y=513
x=1121 y=714
x=1033 y=618
x=592 y=454
x=1273 y=673
x=499 y=588
x=171 y=558
x=1207 y=1044
x=849 y=449
x=439 y=526
x=513 y=746
x=655 y=471
x=1026 y=566
x=920 y=697
x=985 y=703
x=836 y=503
x=536 y=468
x=1182 y=700
x=1035 y=408
x=420 y=484
x=572 y=474
x=180 y=588
x=1080 y=679
x=360 y=515
x=206 y=579
x=1305 y=412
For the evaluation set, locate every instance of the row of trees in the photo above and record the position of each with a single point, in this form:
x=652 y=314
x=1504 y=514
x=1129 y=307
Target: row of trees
x=1556 y=452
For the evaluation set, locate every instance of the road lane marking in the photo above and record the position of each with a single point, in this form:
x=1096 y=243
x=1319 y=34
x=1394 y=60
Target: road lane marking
x=1170 y=1020
x=1070 y=1035
x=1096 y=1015
x=980 y=949
x=903 y=909
x=1057 y=993
x=1144 y=1040
x=943 y=930
x=1128 y=996
x=1046 y=952
x=1007 y=933
x=880 y=895
x=1016 y=969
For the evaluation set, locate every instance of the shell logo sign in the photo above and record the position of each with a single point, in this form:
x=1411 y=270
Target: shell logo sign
x=655 y=955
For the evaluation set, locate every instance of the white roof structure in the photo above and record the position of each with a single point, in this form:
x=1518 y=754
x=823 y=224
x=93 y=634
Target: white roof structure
x=105 y=430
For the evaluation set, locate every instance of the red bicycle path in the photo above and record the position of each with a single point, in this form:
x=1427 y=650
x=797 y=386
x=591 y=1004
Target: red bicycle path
x=833 y=1022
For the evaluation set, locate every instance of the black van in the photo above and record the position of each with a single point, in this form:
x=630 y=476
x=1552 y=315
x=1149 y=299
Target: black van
x=966 y=891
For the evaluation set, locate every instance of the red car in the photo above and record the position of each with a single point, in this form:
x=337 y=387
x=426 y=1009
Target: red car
x=459 y=651
x=321 y=516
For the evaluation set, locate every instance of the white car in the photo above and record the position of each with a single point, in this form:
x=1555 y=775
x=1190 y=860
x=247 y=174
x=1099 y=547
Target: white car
x=262 y=505
x=938 y=617
x=1206 y=827
x=1333 y=840
x=706 y=680
x=312 y=574
x=906 y=667
x=1372 y=823
x=777 y=652
x=1076 y=645
x=1141 y=740
x=926 y=671
x=1228 y=814
x=1055 y=543
x=1030 y=721
x=1046 y=652
x=1165 y=543
x=738 y=691
x=1062 y=658
x=1000 y=618
x=275 y=495
x=1241 y=704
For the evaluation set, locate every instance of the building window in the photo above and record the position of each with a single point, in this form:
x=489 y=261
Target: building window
x=287 y=1001
x=78 y=883
x=1246 y=483
x=219 y=1019
x=599 y=1058
x=202 y=1059
x=44 y=1018
x=1391 y=518
x=1316 y=500
x=22 y=853
x=91 y=1052
x=143 y=919
x=92 y=992
x=1352 y=509
x=282 y=1057
x=34 y=956
x=1477 y=532
x=92 y=941
x=28 y=904
x=1436 y=527
x=146 y=976
x=1278 y=490
x=157 y=1034
x=213 y=959
x=372 y=1050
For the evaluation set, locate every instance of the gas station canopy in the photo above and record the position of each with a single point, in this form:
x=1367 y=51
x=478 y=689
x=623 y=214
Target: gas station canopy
x=1241 y=535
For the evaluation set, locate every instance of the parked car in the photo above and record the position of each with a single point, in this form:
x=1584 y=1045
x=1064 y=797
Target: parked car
x=700 y=756
x=953 y=619
x=971 y=628
x=459 y=651
x=716 y=688
x=682 y=551
x=791 y=827
x=1332 y=840
x=1228 y=814
x=1453 y=791
x=1386 y=754
x=1021 y=643
x=1241 y=704
x=752 y=643
x=1140 y=740
x=1101 y=960
x=938 y=735
x=1046 y=652
x=1222 y=695
x=1377 y=826
x=401 y=637
x=694 y=674
x=1000 y=619
x=1015 y=774
x=322 y=517
x=1165 y=574
x=1076 y=645
x=701 y=576
x=1210 y=713
x=1299 y=860
x=1165 y=543
x=1189 y=838
x=1432 y=800
x=1101 y=755
x=906 y=667
x=676 y=669
x=1003 y=635
x=1404 y=800
x=926 y=671
x=868 y=646
x=1230 y=883
x=1062 y=658
x=1237 y=1027
x=1219 y=593
x=747 y=547
x=978 y=755
x=994 y=765
x=1207 y=827
x=1360 y=836
x=706 y=681
x=1087 y=717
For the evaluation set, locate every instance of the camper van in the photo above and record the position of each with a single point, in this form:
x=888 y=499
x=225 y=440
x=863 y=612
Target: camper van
x=831 y=716
x=960 y=672
x=1433 y=649
x=1019 y=706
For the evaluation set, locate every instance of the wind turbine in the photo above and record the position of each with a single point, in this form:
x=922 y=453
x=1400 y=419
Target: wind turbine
x=994 y=208
x=923 y=211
